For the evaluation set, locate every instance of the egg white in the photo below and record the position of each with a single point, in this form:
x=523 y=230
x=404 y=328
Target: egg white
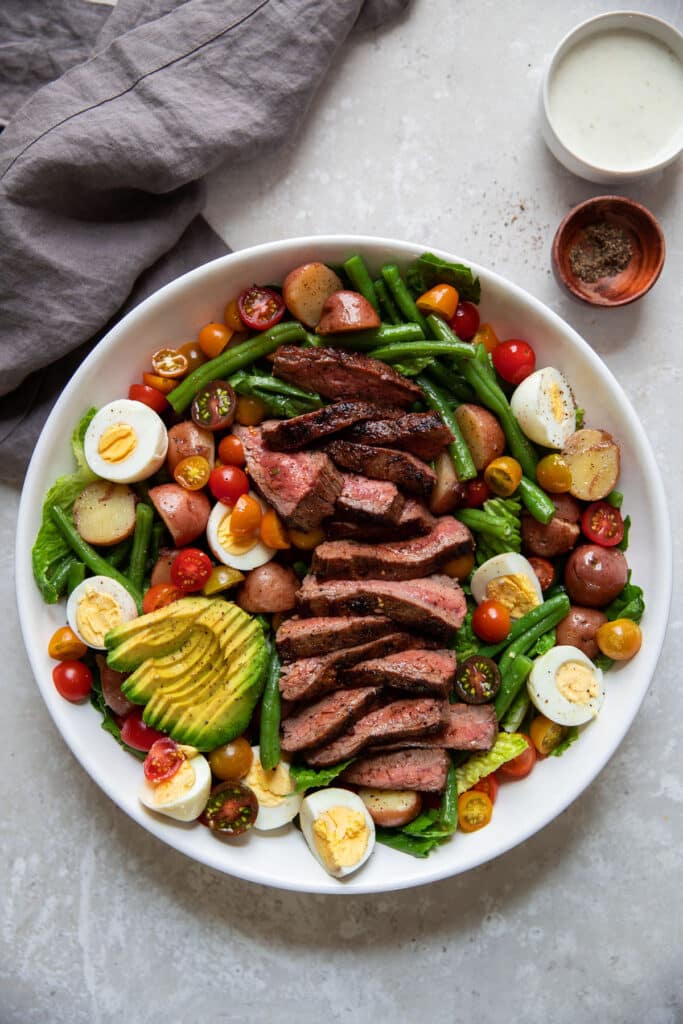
x=507 y=564
x=280 y=814
x=185 y=805
x=257 y=554
x=103 y=585
x=545 y=696
x=533 y=407
x=150 y=450
x=323 y=800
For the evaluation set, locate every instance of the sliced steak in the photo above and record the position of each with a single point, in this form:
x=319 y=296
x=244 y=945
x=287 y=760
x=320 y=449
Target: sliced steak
x=425 y=770
x=406 y=471
x=302 y=487
x=469 y=727
x=435 y=604
x=326 y=719
x=422 y=433
x=415 y=520
x=300 y=431
x=430 y=672
x=336 y=374
x=306 y=638
x=375 y=500
x=396 y=560
x=400 y=720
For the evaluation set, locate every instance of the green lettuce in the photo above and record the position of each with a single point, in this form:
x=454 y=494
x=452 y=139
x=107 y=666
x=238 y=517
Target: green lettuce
x=428 y=270
x=309 y=778
x=571 y=737
x=466 y=642
x=508 y=746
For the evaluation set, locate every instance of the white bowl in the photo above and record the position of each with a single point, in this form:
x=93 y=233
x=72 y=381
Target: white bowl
x=573 y=157
x=173 y=315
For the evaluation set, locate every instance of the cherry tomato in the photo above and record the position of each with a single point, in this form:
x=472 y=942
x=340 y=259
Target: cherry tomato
x=250 y=411
x=228 y=483
x=489 y=785
x=231 y=316
x=514 y=360
x=232 y=761
x=231 y=809
x=246 y=516
x=546 y=735
x=306 y=540
x=476 y=493
x=65 y=645
x=213 y=338
x=521 y=765
x=231 y=451
x=148 y=396
x=474 y=810
x=192 y=473
x=491 y=621
x=163 y=760
x=273 y=533
x=602 y=524
x=619 y=639
x=442 y=300
x=465 y=321
x=168 y=362
x=503 y=476
x=487 y=337
x=73 y=680
x=477 y=680
x=544 y=569
x=194 y=355
x=190 y=570
x=159 y=596
x=260 y=308
x=163 y=384
x=553 y=474
x=136 y=733
x=214 y=406
x=459 y=568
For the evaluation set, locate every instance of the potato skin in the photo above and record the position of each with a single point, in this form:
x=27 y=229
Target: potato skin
x=391 y=808
x=482 y=433
x=578 y=629
x=448 y=493
x=268 y=589
x=186 y=439
x=594 y=575
x=185 y=513
x=307 y=288
x=161 y=573
x=347 y=311
x=556 y=537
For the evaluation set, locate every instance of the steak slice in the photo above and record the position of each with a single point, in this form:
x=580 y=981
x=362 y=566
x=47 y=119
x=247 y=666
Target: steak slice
x=323 y=721
x=376 y=500
x=422 y=433
x=306 y=638
x=415 y=520
x=469 y=727
x=337 y=374
x=435 y=604
x=395 y=560
x=300 y=431
x=400 y=720
x=407 y=471
x=302 y=487
x=430 y=672
x=425 y=770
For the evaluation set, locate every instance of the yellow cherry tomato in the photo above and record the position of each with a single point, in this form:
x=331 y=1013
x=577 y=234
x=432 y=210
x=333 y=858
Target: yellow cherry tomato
x=546 y=735
x=442 y=299
x=486 y=336
x=65 y=646
x=222 y=578
x=553 y=474
x=231 y=316
x=474 y=810
x=306 y=540
x=246 y=516
x=619 y=639
x=459 y=568
x=213 y=338
x=250 y=411
x=273 y=533
x=503 y=476
x=168 y=362
x=194 y=355
x=192 y=473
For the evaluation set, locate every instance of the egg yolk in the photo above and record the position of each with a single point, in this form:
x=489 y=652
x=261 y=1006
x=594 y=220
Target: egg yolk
x=117 y=442
x=515 y=592
x=269 y=786
x=341 y=837
x=576 y=682
x=175 y=788
x=229 y=542
x=556 y=403
x=97 y=613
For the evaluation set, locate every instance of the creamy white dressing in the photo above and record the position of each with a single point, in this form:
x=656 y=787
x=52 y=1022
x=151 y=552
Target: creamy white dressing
x=616 y=100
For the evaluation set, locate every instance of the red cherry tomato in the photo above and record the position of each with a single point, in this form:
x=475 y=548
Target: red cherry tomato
x=602 y=524
x=476 y=493
x=465 y=321
x=148 y=396
x=190 y=570
x=491 y=621
x=136 y=733
x=163 y=760
x=514 y=360
x=160 y=595
x=521 y=765
x=228 y=483
x=489 y=785
x=260 y=308
x=73 y=680
x=231 y=451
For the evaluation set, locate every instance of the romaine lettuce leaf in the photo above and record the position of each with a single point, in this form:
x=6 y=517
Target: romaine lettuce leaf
x=428 y=270
x=629 y=604
x=508 y=746
x=309 y=778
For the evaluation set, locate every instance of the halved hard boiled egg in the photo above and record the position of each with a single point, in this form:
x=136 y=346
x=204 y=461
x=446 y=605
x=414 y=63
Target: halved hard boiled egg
x=125 y=441
x=97 y=605
x=278 y=803
x=184 y=795
x=566 y=686
x=338 y=829
x=544 y=407
x=241 y=553
x=510 y=579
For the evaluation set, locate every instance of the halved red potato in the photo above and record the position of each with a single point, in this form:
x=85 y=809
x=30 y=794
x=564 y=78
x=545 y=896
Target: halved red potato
x=347 y=311
x=448 y=493
x=391 y=808
x=482 y=433
x=104 y=513
x=307 y=288
x=186 y=439
x=185 y=513
x=594 y=460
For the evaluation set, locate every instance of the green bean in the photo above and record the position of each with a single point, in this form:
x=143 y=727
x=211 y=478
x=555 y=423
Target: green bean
x=312 y=340
x=516 y=650
x=452 y=382
x=94 y=561
x=395 y=353
x=233 y=359
x=513 y=675
x=144 y=517
x=615 y=498
x=402 y=297
x=118 y=554
x=385 y=334
x=76 y=576
x=155 y=543
x=386 y=302
x=358 y=275
x=269 y=739
x=516 y=713
x=458 y=450
x=537 y=501
x=448 y=812
x=558 y=604
x=482 y=522
x=276 y=386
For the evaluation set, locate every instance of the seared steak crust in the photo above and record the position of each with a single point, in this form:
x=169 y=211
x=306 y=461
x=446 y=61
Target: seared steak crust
x=406 y=471
x=415 y=520
x=422 y=433
x=321 y=722
x=306 y=638
x=468 y=727
x=424 y=770
x=337 y=374
x=300 y=431
x=430 y=672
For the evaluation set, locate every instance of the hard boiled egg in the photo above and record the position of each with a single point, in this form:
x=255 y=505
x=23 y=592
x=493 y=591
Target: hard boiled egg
x=566 y=686
x=544 y=407
x=241 y=553
x=278 y=804
x=338 y=829
x=510 y=579
x=184 y=795
x=97 y=605
x=125 y=441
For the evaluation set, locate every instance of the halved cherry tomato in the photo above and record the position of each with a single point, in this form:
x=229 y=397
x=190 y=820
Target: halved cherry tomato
x=442 y=300
x=168 y=362
x=163 y=760
x=163 y=384
x=214 y=406
x=222 y=578
x=521 y=765
x=65 y=645
x=246 y=516
x=514 y=360
x=228 y=483
x=486 y=336
x=476 y=493
x=489 y=785
x=503 y=476
x=544 y=569
x=459 y=568
x=546 y=735
x=553 y=474
x=73 y=680
x=619 y=639
x=190 y=570
x=148 y=396
x=273 y=533
x=160 y=595
x=477 y=680
x=213 y=338
x=474 y=810
x=136 y=733
x=231 y=451
x=231 y=316
x=491 y=621
x=192 y=473
x=231 y=809
x=602 y=524
x=306 y=540
x=260 y=308
x=465 y=321
x=250 y=411
x=194 y=355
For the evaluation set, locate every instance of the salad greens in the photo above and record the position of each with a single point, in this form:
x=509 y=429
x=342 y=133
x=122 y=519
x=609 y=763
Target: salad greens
x=429 y=270
x=496 y=527
x=507 y=747
x=311 y=778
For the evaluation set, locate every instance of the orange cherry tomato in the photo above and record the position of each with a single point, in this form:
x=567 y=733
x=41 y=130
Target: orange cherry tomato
x=231 y=316
x=250 y=411
x=619 y=639
x=167 y=362
x=192 y=473
x=231 y=451
x=213 y=338
x=489 y=785
x=546 y=735
x=65 y=646
x=474 y=810
x=194 y=355
x=486 y=336
x=503 y=476
x=442 y=299
x=159 y=596
x=491 y=621
x=553 y=474
x=273 y=533
x=459 y=568
x=163 y=384
x=521 y=765
x=246 y=516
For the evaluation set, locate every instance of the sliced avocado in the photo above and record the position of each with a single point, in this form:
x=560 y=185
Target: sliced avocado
x=155 y=634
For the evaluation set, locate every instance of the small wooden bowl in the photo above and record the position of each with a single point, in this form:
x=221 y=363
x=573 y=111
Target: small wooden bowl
x=644 y=266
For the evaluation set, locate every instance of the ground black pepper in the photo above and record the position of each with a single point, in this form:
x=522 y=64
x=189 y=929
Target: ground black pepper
x=603 y=251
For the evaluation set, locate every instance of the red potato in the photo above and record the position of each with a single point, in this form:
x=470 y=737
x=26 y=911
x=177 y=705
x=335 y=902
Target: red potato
x=578 y=629
x=347 y=311
x=185 y=513
x=306 y=290
x=391 y=808
x=482 y=433
x=186 y=439
x=104 y=513
x=269 y=589
x=594 y=459
x=161 y=573
x=547 y=540
x=448 y=493
x=595 y=575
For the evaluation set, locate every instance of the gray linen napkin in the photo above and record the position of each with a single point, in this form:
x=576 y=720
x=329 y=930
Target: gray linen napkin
x=100 y=169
